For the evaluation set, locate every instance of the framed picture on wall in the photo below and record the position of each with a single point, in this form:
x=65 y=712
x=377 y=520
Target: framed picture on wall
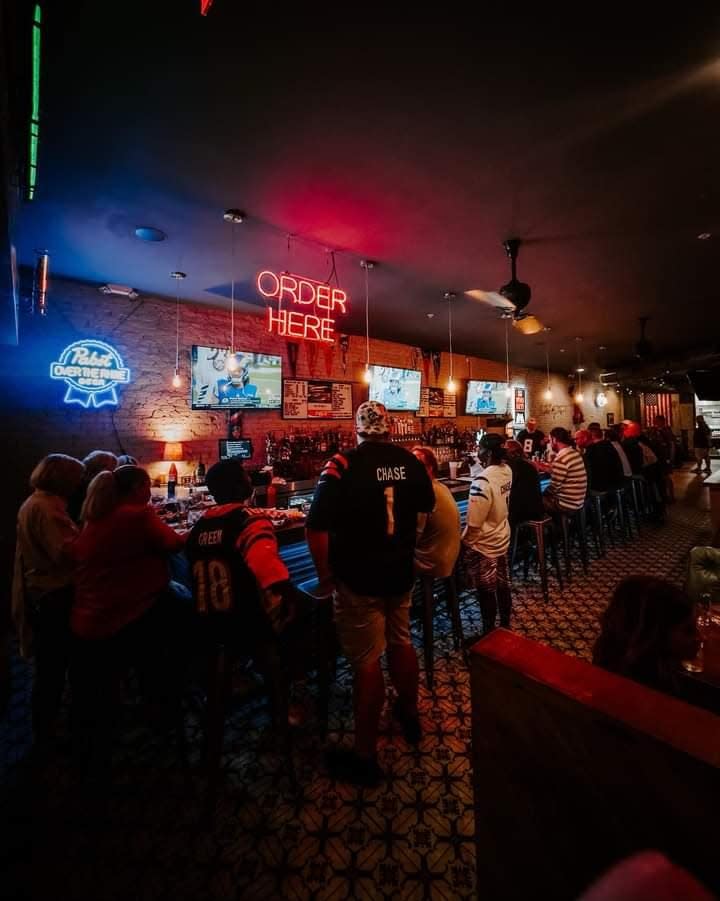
x=610 y=418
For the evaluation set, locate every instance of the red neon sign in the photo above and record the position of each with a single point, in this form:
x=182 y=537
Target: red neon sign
x=205 y=6
x=316 y=321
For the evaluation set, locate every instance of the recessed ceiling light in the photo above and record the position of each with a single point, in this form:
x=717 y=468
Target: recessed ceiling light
x=149 y=233
x=602 y=347
x=235 y=216
x=704 y=236
x=562 y=350
x=430 y=315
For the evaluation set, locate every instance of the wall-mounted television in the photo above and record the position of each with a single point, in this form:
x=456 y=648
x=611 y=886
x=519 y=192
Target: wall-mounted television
x=241 y=381
x=486 y=398
x=242 y=448
x=398 y=389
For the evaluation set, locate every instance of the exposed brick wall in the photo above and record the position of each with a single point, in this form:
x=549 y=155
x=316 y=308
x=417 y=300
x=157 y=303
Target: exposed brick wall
x=152 y=412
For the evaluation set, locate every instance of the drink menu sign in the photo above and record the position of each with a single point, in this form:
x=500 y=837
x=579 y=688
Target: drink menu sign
x=316 y=399
x=435 y=403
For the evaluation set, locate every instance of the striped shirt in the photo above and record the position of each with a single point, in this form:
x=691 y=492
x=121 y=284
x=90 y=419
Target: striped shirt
x=568 y=479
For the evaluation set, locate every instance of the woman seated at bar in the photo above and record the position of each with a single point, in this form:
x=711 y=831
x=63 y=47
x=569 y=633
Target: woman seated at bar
x=42 y=584
x=438 y=539
x=647 y=630
x=487 y=534
x=121 y=578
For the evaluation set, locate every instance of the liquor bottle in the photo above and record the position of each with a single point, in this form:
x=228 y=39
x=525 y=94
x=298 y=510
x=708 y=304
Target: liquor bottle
x=172 y=480
x=200 y=473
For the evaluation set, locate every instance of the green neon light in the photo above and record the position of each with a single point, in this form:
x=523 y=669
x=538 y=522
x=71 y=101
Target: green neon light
x=35 y=111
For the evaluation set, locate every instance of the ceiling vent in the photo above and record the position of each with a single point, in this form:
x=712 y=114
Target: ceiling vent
x=119 y=291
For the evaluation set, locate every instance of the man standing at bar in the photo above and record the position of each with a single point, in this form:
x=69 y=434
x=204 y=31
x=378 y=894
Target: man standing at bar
x=531 y=438
x=361 y=533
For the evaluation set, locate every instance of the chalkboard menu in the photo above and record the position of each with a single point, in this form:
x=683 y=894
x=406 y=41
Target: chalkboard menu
x=435 y=403
x=316 y=399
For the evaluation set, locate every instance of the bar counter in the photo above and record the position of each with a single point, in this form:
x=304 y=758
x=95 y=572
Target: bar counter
x=294 y=549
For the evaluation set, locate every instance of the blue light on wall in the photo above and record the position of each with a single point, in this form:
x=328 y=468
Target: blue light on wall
x=91 y=370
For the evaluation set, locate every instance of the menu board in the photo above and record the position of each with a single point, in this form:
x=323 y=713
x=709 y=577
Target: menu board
x=436 y=404
x=316 y=399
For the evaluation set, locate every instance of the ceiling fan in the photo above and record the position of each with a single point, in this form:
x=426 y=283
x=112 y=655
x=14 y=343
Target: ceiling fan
x=512 y=299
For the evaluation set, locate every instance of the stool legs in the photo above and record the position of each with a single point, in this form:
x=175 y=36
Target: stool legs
x=218 y=691
x=598 y=526
x=542 y=562
x=565 y=527
x=428 y=610
x=554 y=554
x=454 y=605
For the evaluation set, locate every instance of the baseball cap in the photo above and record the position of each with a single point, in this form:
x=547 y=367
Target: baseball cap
x=371 y=419
x=491 y=441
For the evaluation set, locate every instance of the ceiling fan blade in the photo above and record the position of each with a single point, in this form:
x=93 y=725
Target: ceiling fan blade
x=528 y=325
x=492 y=298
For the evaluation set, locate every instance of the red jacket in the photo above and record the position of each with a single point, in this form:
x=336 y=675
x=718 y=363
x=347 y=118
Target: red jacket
x=121 y=568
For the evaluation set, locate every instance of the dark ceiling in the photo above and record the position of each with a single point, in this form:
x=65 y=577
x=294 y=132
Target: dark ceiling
x=594 y=140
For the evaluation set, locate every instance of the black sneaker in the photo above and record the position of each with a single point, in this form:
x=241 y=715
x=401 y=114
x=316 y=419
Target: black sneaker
x=345 y=765
x=409 y=723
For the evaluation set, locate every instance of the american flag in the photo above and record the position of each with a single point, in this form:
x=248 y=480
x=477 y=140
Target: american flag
x=656 y=405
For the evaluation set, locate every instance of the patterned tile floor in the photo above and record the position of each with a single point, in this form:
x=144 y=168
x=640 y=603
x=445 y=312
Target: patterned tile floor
x=412 y=838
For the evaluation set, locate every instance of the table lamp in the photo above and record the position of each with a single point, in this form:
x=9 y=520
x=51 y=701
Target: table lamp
x=173 y=453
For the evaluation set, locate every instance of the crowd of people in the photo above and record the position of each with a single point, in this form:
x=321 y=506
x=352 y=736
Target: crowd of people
x=93 y=591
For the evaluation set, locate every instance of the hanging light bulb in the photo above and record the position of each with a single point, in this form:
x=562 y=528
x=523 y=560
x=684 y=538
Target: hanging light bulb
x=234 y=217
x=451 y=385
x=178 y=276
x=367 y=266
x=547 y=394
x=508 y=390
x=579 y=396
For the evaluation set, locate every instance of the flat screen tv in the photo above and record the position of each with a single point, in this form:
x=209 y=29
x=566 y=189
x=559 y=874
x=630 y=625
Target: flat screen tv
x=251 y=381
x=242 y=448
x=398 y=389
x=486 y=398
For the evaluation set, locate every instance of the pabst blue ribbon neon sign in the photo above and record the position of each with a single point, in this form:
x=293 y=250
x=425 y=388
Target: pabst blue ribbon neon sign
x=319 y=304
x=92 y=370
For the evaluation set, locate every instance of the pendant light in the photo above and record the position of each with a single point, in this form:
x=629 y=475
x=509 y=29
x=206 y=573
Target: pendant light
x=451 y=385
x=367 y=266
x=178 y=276
x=579 y=396
x=547 y=394
x=234 y=217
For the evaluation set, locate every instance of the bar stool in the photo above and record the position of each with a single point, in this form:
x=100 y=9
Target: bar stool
x=315 y=650
x=538 y=528
x=597 y=501
x=623 y=512
x=573 y=520
x=428 y=604
x=638 y=495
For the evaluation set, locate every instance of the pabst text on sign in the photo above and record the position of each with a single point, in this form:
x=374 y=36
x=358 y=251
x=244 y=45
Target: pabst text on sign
x=302 y=308
x=91 y=370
